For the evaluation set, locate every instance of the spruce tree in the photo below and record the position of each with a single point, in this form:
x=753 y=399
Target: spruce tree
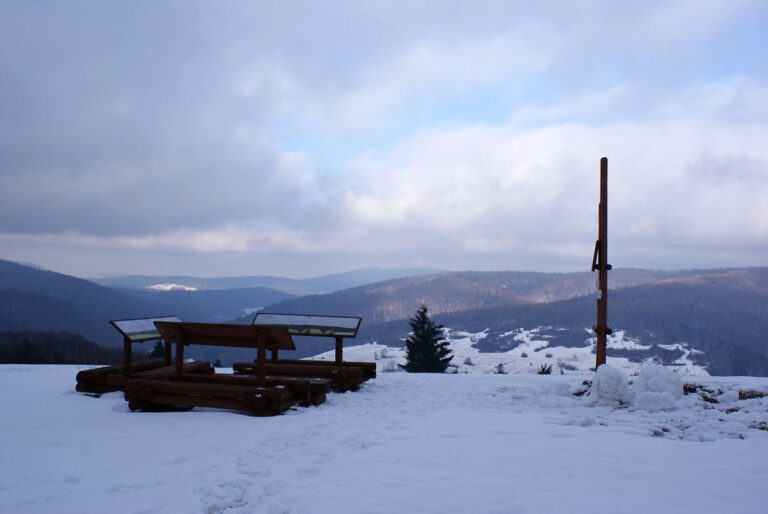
x=158 y=351
x=426 y=350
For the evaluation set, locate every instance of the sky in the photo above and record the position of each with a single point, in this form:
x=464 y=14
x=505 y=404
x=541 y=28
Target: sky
x=305 y=138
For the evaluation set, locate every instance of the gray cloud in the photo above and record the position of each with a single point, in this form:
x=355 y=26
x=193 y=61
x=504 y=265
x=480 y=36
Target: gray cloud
x=178 y=128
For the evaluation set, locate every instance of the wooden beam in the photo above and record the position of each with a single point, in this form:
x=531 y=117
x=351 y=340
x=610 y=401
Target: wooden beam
x=339 y=349
x=127 y=356
x=180 y=356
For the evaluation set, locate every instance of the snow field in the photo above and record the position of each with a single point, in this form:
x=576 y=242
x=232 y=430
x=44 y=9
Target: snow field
x=532 y=351
x=402 y=443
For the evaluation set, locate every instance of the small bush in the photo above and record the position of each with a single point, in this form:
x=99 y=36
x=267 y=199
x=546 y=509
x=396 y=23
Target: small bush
x=545 y=369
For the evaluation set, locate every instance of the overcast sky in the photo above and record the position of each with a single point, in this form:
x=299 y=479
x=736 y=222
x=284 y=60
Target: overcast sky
x=304 y=138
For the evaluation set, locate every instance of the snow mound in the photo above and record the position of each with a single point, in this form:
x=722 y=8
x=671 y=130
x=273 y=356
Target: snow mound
x=611 y=386
x=656 y=388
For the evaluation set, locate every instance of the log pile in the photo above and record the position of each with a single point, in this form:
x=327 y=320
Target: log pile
x=108 y=379
x=240 y=393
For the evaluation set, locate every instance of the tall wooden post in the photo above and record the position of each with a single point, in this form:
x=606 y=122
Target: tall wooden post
x=600 y=264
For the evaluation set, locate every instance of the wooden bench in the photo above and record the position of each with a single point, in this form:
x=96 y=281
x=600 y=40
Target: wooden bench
x=345 y=375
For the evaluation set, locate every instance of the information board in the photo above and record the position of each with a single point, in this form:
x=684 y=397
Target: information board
x=311 y=325
x=141 y=329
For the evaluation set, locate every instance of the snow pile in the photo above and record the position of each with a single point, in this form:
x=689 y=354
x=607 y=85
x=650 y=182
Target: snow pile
x=656 y=388
x=611 y=386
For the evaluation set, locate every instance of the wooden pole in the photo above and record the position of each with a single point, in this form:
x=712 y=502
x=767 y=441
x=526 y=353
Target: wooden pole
x=339 y=349
x=600 y=264
x=127 y=356
x=180 y=356
x=167 y=352
x=261 y=359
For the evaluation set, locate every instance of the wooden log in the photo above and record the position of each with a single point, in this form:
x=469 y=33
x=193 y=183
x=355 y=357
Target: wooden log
x=87 y=387
x=135 y=405
x=144 y=393
x=196 y=389
x=369 y=368
x=140 y=366
x=169 y=371
x=299 y=384
x=302 y=370
x=314 y=399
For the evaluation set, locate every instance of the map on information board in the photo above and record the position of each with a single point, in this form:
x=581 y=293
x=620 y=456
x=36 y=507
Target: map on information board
x=311 y=325
x=141 y=329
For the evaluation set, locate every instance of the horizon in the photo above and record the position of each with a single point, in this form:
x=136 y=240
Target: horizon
x=304 y=141
x=377 y=268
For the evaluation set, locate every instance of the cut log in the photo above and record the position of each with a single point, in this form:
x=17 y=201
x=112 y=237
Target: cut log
x=256 y=400
x=298 y=384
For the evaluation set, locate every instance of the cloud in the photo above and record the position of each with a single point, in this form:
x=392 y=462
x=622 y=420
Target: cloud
x=340 y=134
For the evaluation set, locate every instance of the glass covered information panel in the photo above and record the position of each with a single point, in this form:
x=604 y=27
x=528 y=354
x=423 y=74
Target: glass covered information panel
x=311 y=325
x=141 y=329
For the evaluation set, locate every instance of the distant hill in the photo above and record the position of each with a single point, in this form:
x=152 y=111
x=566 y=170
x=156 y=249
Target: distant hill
x=212 y=305
x=314 y=285
x=722 y=313
x=32 y=299
x=39 y=300
x=713 y=318
x=461 y=291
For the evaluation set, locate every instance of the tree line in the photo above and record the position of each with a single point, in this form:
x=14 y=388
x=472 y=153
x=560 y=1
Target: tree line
x=54 y=348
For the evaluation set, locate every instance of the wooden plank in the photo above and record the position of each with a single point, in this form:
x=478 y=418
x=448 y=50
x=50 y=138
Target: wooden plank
x=87 y=374
x=225 y=334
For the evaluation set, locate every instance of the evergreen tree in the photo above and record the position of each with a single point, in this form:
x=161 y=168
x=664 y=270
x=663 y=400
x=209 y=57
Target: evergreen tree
x=426 y=350
x=158 y=351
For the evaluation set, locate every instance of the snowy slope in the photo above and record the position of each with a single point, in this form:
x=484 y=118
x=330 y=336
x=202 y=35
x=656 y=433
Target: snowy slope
x=402 y=443
x=532 y=349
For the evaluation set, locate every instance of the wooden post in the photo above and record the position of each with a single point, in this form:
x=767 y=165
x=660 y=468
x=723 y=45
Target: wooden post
x=167 y=350
x=600 y=264
x=339 y=349
x=261 y=359
x=180 y=355
x=126 y=356
x=275 y=356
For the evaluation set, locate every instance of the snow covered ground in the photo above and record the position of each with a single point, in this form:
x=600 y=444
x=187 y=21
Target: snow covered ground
x=463 y=443
x=532 y=351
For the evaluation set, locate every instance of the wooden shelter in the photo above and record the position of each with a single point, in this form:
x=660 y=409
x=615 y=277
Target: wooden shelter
x=262 y=387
